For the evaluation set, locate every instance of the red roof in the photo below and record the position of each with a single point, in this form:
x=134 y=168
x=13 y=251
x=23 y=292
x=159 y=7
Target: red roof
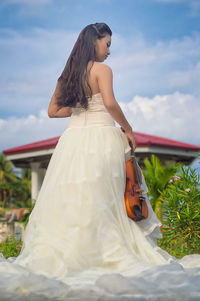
x=149 y=140
x=39 y=145
x=141 y=140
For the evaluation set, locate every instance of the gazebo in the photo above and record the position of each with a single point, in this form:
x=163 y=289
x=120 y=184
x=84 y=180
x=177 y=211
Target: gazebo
x=37 y=155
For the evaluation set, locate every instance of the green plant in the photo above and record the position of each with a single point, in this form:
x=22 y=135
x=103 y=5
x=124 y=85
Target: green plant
x=15 y=187
x=22 y=190
x=25 y=217
x=181 y=213
x=7 y=177
x=10 y=248
x=157 y=177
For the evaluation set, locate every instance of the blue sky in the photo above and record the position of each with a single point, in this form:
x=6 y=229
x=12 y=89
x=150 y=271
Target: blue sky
x=155 y=58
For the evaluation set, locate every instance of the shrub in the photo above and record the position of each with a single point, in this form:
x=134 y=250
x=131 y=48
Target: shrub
x=181 y=213
x=10 y=248
x=157 y=177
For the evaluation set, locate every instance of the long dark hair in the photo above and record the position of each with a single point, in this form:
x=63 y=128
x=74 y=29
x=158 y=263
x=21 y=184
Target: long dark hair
x=75 y=74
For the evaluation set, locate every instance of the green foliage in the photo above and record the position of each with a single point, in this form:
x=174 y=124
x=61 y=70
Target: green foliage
x=22 y=190
x=7 y=173
x=10 y=248
x=175 y=198
x=157 y=178
x=7 y=177
x=25 y=217
x=181 y=212
x=15 y=190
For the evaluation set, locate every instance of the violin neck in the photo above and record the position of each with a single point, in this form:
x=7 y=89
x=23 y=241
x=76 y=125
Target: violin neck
x=137 y=175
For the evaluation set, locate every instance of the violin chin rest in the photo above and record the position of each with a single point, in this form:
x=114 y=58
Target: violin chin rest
x=138 y=212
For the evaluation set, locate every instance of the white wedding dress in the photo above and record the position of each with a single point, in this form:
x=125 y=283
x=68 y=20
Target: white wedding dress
x=79 y=242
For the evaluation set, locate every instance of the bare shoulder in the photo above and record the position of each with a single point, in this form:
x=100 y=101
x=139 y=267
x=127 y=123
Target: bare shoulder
x=104 y=79
x=100 y=68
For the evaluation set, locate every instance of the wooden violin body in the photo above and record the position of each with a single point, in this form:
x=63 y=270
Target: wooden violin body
x=135 y=202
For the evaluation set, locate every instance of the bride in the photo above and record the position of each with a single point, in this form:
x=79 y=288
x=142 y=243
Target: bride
x=79 y=243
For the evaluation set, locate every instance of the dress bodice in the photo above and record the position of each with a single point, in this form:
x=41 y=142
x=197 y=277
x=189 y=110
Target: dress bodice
x=95 y=115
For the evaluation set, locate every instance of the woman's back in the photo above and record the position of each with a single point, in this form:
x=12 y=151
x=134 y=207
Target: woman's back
x=95 y=115
x=92 y=69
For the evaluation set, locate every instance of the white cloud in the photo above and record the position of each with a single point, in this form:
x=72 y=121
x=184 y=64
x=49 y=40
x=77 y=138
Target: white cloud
x=166 y=116
x=172 y=1
x=32 y=61
x=18 y=131
x=185 y=78
x=30 y=66
x=194 y=5
x=27 y=2
x=163 y=67
x=195 y=8
x=27 y=8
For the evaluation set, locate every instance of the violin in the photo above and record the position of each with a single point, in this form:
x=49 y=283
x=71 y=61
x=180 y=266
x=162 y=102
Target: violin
x=135 y=202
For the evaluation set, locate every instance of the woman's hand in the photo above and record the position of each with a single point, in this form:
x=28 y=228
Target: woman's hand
x=54 y=111
x=130 y=136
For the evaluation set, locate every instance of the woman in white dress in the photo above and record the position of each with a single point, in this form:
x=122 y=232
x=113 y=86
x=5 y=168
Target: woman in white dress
x=79 y=233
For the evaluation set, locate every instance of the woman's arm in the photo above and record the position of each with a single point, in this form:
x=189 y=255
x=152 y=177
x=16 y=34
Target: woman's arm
x=105 y=82
x=54 y=111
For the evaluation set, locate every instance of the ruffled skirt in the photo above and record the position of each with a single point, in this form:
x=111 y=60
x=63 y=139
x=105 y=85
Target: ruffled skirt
x=79 y=232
